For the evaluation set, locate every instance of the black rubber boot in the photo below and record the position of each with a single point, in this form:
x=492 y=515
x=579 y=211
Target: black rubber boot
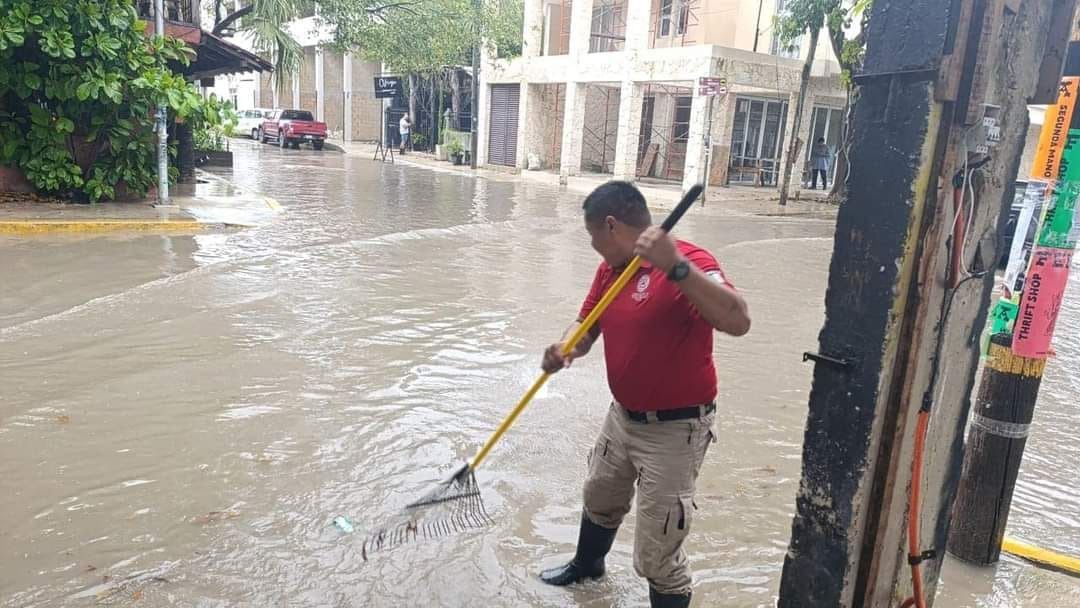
x=593 y=544
x=663 y=600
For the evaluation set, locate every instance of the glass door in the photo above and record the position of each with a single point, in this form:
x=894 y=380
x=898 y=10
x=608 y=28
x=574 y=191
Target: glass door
x=757 y=140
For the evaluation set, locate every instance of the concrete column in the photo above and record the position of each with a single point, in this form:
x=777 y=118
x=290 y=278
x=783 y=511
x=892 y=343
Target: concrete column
x=347 y=87
x=626 y=145
x=532 y=42
x=693 y=170
x=526 y=108
x=320 y=87
x=296 y=89
x=573 y=125
x=274 y=91
x=258 y=90
x=532 y=123
x=483 y=129
x=722 y=126
x=638 y=14
x=581 y=26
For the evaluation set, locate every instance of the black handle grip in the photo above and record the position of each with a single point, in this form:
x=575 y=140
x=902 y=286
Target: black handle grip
x=680 y=209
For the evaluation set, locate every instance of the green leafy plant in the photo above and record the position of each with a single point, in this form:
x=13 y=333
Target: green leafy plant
x=213 y=124
x=454 y=148
x=79 y=85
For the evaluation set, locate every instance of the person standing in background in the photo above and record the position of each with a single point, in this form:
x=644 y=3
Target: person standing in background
x=404 y=129
x=819 y=163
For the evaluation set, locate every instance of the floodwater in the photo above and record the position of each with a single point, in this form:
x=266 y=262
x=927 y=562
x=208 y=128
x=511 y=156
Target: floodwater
x=182 y=417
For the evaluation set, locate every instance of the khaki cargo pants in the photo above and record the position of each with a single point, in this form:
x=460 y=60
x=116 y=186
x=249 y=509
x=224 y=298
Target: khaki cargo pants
x=662 y=459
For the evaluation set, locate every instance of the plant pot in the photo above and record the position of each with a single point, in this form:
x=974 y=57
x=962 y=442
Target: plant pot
x=457 y=159
x=12 y=179
x=440 y=152
x=215 y=158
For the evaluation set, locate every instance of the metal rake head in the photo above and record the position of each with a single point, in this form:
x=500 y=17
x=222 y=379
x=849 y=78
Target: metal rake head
x=451 y=507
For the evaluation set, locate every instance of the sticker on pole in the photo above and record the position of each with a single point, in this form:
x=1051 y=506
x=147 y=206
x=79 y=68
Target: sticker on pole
x=1041 y=302
x=1037 y=195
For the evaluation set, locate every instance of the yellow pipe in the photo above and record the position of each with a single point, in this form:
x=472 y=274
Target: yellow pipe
x=1058 y=561
x=568 y=347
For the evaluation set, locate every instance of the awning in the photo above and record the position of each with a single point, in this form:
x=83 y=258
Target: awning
x=217 y=56
x=214 y=55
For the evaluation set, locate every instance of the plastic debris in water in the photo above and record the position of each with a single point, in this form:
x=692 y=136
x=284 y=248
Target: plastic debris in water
x=344 y=524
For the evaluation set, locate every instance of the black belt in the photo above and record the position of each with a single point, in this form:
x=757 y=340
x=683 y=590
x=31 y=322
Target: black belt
x=683 y=413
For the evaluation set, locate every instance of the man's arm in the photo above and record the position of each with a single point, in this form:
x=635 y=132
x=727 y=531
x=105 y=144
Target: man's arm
x=553 y=358
x=717 y=303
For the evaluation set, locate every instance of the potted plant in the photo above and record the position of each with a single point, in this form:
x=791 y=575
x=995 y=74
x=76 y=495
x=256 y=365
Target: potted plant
x=456 y=152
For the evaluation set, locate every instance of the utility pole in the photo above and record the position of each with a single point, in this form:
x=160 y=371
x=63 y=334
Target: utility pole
x=162 y=119
x=899 y=350
x=757 y=24
x=474 y=144
x=1024 y=321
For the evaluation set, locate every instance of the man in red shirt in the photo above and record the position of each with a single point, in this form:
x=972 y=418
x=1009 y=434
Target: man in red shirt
x=658 y=342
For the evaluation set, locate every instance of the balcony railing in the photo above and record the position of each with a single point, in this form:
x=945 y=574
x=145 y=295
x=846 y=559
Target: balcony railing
x=179 y=11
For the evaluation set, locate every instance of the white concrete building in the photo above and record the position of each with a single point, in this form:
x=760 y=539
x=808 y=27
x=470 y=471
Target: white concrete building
x=610 y=86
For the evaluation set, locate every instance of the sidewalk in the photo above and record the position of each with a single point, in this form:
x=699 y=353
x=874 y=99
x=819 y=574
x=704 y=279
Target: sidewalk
x=211 y=203
x=748 y=200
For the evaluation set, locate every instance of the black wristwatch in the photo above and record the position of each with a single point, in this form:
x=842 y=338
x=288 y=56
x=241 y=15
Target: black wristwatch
x=679 y=271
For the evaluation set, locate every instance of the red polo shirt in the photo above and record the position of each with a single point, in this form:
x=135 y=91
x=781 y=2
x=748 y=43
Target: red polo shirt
x=657 y=347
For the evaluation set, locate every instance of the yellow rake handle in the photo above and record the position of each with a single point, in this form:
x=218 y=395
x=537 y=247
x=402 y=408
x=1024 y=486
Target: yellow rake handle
x=584 y=328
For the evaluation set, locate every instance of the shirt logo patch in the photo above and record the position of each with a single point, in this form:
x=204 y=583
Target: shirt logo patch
x=642 y=287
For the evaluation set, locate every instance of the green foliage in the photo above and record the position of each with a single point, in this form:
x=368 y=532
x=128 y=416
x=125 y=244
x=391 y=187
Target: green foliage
x=423 y=37
x=213 y=124
x=802 y=16
x=454 y=148
x=79 y=84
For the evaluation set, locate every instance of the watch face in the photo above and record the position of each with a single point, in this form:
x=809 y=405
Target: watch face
x=680 y=271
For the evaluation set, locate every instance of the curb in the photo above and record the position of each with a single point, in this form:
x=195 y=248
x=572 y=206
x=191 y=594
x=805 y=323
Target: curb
x=328 y=145
x=28 y=227
x=1042 y=557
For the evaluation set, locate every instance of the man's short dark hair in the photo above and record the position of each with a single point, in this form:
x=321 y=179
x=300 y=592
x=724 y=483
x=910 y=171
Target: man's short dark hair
x=620 y=200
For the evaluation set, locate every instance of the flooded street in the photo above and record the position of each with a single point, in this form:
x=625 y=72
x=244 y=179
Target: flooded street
x=182 y=417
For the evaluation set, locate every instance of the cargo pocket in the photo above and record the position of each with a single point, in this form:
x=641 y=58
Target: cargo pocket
x=703 y=437
x=658 y=542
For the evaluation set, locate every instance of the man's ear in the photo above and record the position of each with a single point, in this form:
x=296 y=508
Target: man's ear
x=611 y=223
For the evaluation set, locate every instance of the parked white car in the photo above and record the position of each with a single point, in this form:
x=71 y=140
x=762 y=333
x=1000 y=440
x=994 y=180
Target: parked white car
x=250 y=121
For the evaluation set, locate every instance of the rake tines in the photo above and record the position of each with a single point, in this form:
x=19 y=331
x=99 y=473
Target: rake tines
x=451 y=507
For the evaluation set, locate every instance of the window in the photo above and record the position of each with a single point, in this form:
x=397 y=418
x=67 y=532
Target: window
x=674 y=14
x=297 y=115
x=608 y=27
x=665 y=17
x=680 y=130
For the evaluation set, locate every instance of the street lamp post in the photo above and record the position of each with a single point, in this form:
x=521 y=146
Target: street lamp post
x=162 y=115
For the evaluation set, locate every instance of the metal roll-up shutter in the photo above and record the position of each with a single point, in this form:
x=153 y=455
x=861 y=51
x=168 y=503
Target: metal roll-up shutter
x=502 y=135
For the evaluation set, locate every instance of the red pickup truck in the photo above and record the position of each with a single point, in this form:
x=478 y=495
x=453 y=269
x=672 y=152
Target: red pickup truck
x=293 y=127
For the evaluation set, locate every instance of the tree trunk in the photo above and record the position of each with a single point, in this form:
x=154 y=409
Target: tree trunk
x=839 y=187
x=797 y=123
x=455 y=98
